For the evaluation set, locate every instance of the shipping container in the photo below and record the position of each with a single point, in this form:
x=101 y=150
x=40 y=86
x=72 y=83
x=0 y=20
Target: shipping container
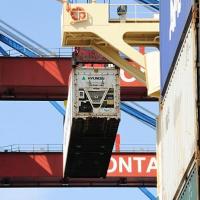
x=91 y=121
x=158 y=158
x=189 y=189
x=175 y=17
x=177 y=135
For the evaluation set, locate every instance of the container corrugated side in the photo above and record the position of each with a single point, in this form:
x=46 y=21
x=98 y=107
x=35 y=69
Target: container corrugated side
x=178 y=120
x=158 y=157
x=190 y=186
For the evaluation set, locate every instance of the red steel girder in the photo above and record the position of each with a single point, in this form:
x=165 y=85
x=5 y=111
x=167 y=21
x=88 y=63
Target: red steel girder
x=45 y=169
x=47 y=79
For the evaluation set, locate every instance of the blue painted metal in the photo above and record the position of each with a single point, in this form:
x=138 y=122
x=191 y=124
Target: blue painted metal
x=3 y=52
x=155 y=7
x=18 y=47
x=173 y=18
x=138 y=115
x=144 y=109
x=147 y=193
x=59 y=108
x=27 y=53
x=39 y=49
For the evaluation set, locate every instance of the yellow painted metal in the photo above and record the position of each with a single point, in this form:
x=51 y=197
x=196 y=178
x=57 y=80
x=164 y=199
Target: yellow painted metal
x=114 y=57
x=155 y=94
x=65 y=103
x=152 y=73
x=110 y=37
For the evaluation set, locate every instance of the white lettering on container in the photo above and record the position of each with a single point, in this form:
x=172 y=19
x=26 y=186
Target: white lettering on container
x=175 y=10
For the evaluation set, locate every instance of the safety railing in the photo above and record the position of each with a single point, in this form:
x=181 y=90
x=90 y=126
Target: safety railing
x=88 y=1
x=59 y=148
x=56 y=53
x=32 y=148
x=133 y=12
x=136 y=148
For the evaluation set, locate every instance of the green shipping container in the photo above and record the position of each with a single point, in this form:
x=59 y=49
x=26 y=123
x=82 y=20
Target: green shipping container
x=191 y=188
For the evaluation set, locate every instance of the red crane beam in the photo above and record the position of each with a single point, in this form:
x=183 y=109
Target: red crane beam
x=47 y=79
x=45 y=169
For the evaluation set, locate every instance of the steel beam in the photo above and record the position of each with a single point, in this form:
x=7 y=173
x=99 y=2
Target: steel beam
x=147 y=193
x=3 y=52
x=45 y=169
x=24 y=36
x=18 y=47
x=57 y=106
x=151 y=3
x=20 y=42
x=114 y=57
x=47 y=79
x=110 y=38
x=138 y=115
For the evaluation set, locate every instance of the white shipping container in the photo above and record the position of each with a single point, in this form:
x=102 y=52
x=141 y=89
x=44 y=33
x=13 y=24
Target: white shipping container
x=177 y=134
x=91 y=122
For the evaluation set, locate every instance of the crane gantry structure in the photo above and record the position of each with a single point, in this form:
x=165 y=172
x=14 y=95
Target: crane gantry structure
x=52 y=83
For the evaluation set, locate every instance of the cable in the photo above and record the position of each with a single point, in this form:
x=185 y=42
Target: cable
x=144 y=109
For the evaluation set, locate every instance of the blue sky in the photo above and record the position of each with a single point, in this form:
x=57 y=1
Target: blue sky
x=39 y=122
